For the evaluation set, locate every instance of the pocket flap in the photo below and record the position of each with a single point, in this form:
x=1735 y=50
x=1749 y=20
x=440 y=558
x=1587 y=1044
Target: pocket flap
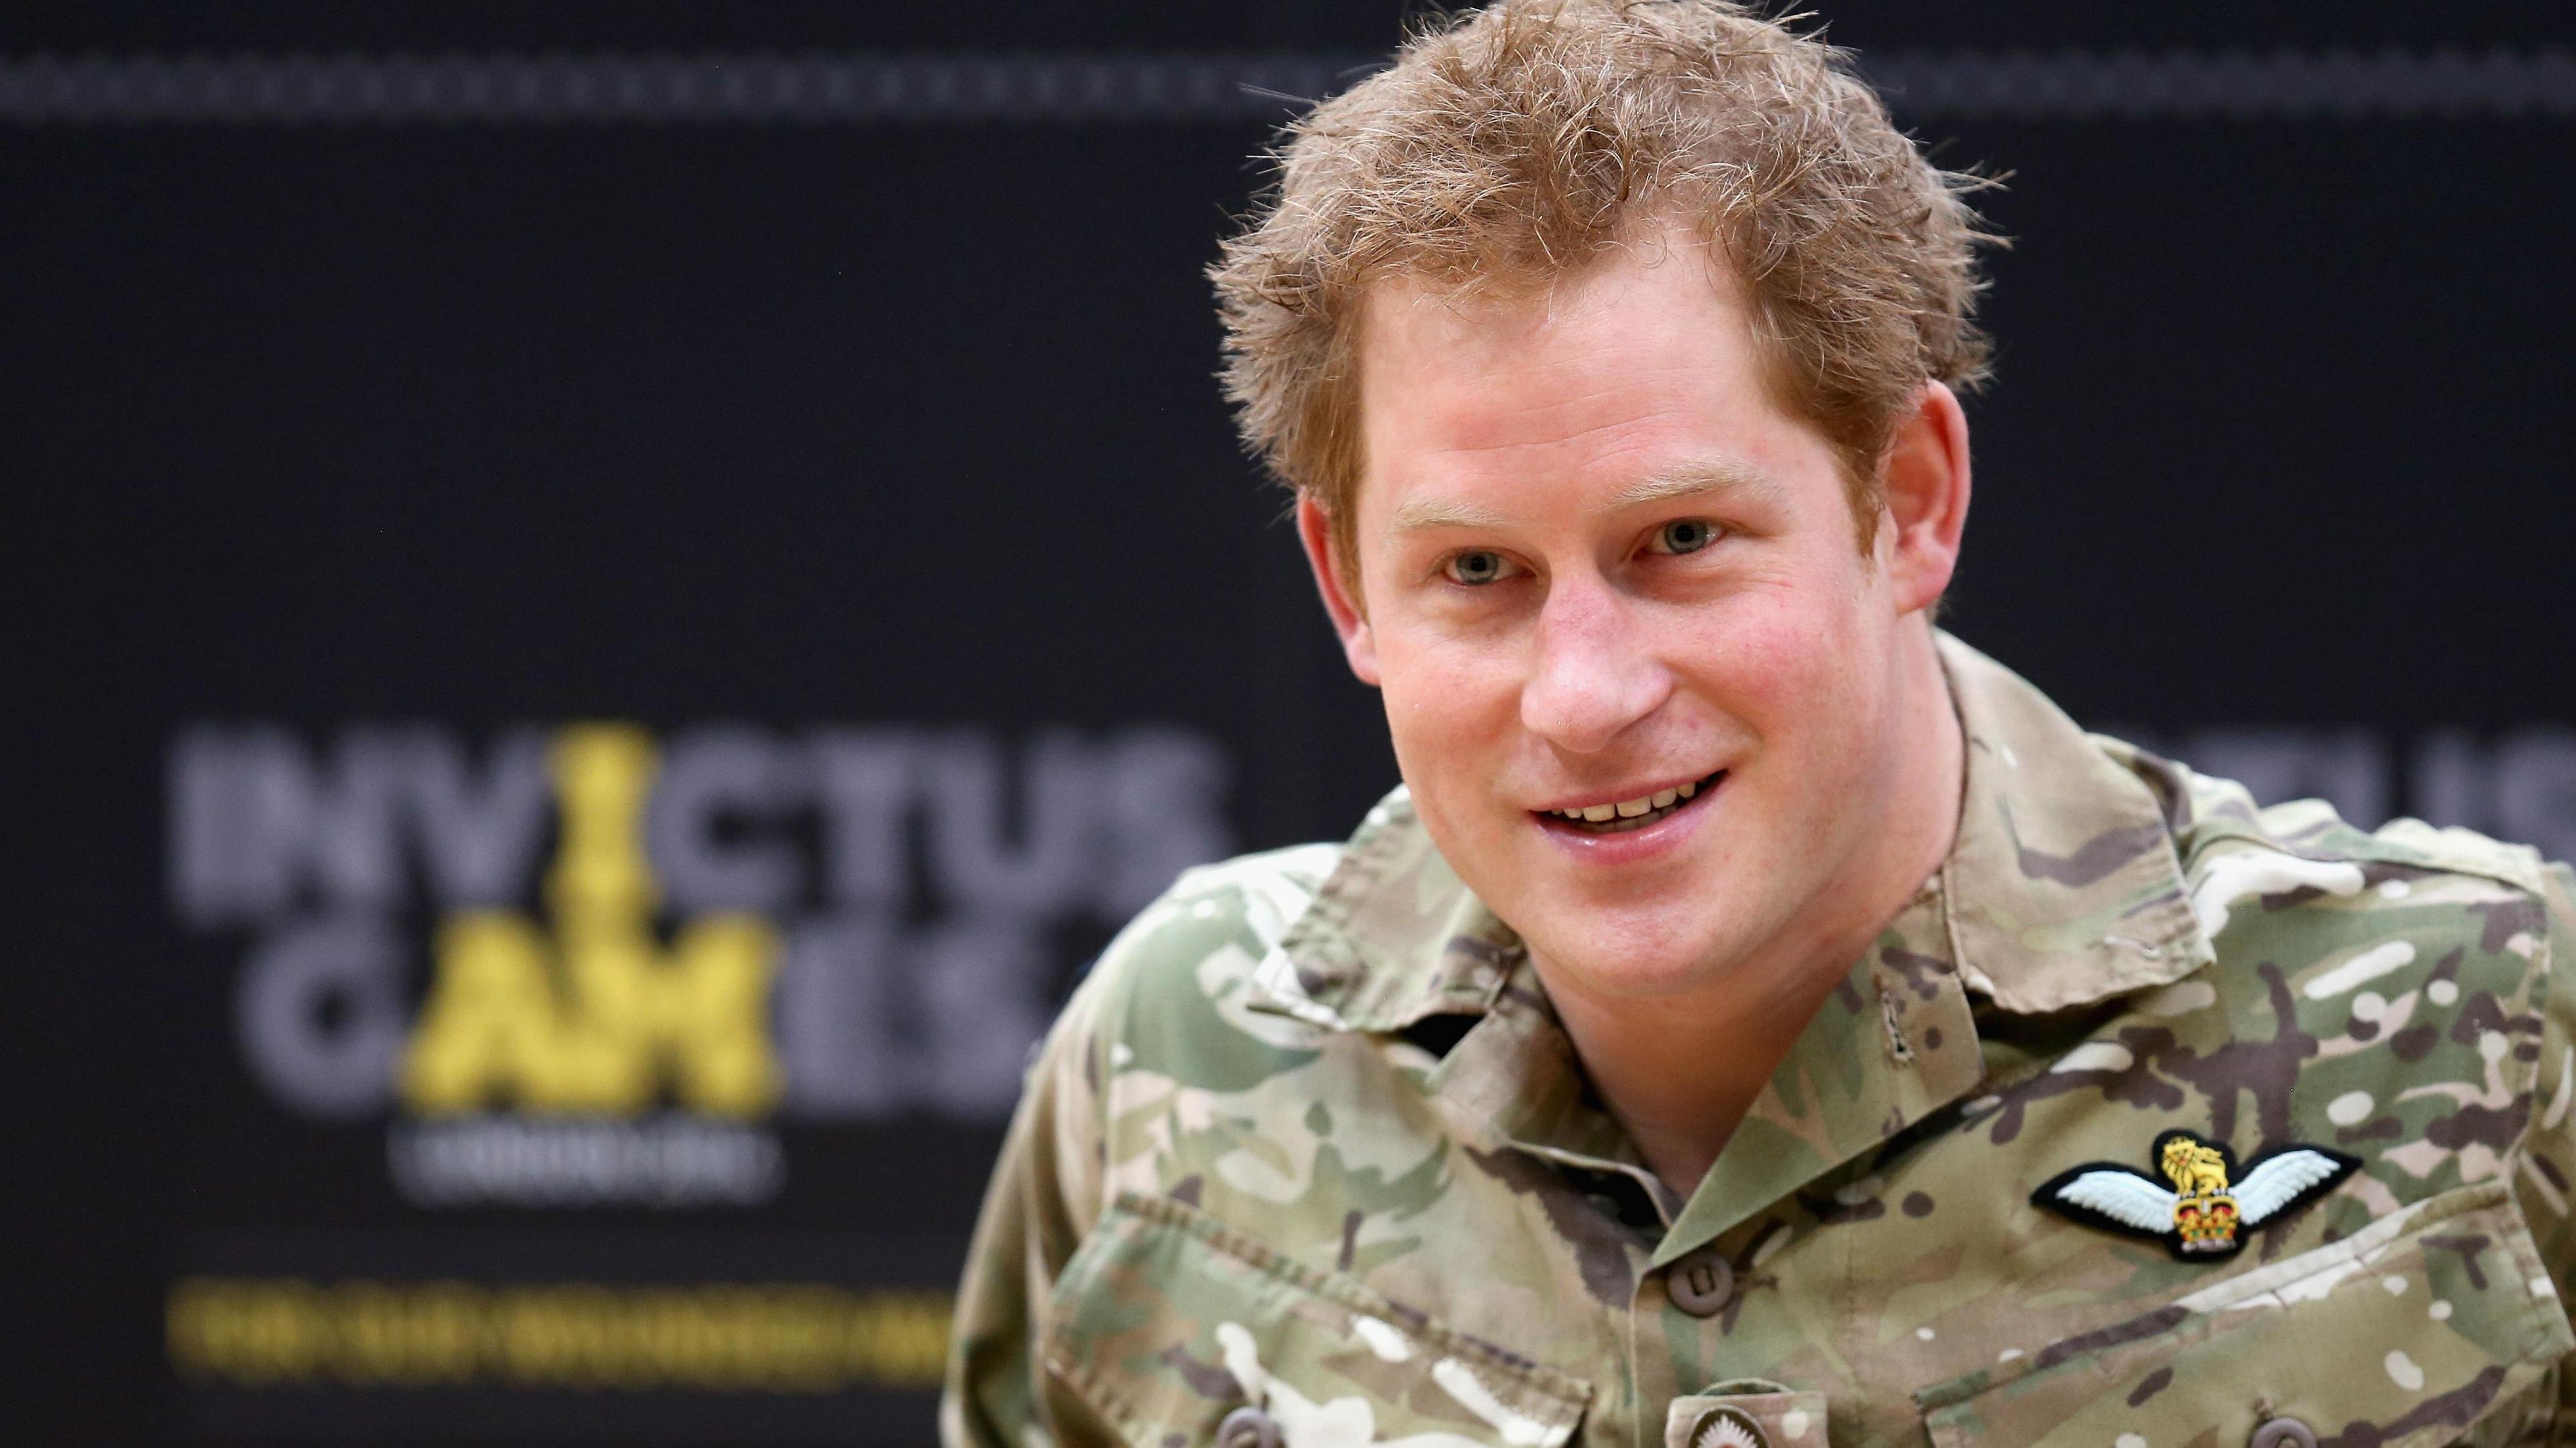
x=1166 y=1320
x=2402 y=1335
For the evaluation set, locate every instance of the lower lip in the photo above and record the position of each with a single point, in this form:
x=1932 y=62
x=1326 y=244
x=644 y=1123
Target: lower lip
x=1629 y=846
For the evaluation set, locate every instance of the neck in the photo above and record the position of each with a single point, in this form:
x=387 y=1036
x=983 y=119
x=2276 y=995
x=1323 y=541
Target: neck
x=1680 y=1073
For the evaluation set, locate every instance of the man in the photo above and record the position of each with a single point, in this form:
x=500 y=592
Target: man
x=1760 y=1020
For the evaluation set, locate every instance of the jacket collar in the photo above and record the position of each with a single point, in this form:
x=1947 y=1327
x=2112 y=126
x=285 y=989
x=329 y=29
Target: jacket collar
x=2065 y=887
x=1393 y=936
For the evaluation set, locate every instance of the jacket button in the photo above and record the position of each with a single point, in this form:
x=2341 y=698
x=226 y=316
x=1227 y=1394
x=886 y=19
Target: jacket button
x=2283 y=1433
x=1248 y=1428
x=1701 y=1284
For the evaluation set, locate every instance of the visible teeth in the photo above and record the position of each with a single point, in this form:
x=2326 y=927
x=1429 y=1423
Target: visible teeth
x=1629 y=809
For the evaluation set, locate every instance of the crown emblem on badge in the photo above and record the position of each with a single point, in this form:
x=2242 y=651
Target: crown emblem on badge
x=2209 y=1202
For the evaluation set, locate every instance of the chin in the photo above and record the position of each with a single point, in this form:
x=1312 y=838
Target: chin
x=1628 y=953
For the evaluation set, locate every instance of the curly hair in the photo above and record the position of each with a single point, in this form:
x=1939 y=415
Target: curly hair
x=1511 y=146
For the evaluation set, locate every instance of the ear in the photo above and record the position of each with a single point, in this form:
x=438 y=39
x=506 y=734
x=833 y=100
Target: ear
x=1925 y=485
x=1315 y=530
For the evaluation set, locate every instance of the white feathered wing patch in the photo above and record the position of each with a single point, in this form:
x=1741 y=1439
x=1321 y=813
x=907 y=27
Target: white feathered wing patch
x=2278 y=1182
x=2124 y=1197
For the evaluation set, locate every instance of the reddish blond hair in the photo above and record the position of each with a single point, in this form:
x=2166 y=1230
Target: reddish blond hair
x=1511 y=146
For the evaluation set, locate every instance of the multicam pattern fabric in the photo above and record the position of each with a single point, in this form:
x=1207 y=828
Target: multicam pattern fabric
x=1309 y=1139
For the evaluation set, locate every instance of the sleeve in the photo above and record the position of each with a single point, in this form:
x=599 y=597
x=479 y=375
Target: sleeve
x=1044 y=1197
x=2541 y=1179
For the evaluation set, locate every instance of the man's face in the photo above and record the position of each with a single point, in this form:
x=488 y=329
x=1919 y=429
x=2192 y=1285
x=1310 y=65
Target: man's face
x=1600 y=566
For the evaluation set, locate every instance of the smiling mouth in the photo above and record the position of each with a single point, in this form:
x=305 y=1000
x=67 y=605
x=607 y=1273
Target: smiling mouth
x=1631 y=814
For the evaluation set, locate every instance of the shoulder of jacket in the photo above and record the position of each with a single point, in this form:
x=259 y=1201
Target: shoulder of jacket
x=2218 y=820
x=1215 y=923
x=2337 y=907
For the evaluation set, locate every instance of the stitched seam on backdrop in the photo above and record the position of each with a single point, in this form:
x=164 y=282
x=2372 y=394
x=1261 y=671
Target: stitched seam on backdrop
x=861 y=89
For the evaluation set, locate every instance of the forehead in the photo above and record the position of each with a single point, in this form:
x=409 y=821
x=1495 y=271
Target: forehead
x=1642 y=366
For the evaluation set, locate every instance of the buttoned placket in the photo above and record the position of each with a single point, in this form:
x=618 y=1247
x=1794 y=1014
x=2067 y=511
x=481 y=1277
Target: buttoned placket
x=1894 y=1043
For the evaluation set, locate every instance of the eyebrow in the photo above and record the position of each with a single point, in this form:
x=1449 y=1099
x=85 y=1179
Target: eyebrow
x=1417 y=515
x=1691 y=480
x=1694 y=480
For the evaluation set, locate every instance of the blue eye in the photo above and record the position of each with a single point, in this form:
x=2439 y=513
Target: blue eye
x=1478 y=566
x=1685 y=535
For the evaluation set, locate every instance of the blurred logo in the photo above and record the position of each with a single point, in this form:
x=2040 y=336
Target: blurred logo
x=592 y=969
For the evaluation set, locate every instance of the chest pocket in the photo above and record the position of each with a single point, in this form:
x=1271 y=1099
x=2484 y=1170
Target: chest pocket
x=2430 y=1325
x=1167 y=1325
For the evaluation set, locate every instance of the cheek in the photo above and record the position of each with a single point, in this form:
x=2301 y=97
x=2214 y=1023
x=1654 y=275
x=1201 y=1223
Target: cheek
x=1782 y=665
x=1440 y=697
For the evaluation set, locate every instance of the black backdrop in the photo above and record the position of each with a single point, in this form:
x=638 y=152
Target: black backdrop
x=870 y=467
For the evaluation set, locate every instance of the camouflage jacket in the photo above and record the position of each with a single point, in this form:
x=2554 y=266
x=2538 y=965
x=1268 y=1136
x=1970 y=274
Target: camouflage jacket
x=1310 y=1142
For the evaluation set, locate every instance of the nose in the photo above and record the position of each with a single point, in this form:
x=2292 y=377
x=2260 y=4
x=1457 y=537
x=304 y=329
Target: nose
x=1594 y=674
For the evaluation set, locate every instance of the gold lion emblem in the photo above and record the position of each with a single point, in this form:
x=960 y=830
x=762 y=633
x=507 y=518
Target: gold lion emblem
x=2204 y=1211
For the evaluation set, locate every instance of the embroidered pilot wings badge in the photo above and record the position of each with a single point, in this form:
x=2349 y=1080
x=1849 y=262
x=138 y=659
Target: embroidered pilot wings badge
x=2208 y=1204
